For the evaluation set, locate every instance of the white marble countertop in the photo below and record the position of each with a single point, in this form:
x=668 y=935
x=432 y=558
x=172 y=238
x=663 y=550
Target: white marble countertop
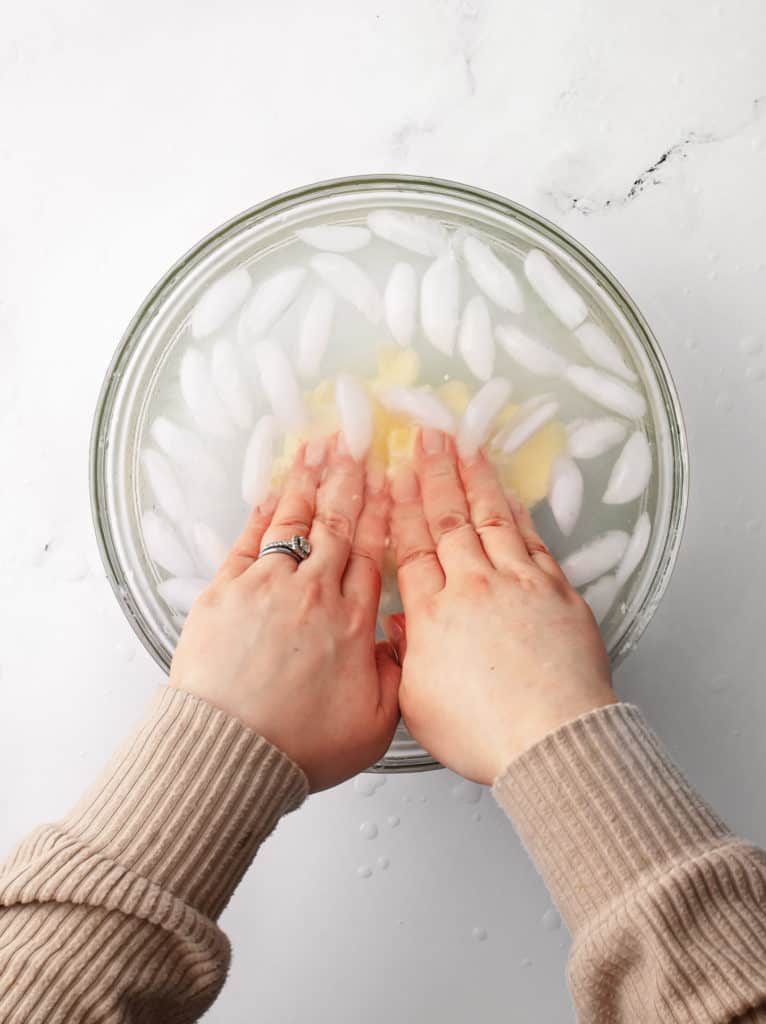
x=127 y=131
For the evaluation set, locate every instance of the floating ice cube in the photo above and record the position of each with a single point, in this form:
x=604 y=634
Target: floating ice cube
x=600 y=596
x=636 y=549
x=258 y=460
x=230 y=382
x=496 y=280
x=608 y=391
x=595 y=558
x=599 y=347
x=165 y=546
x=588 y=439
x=440 y=302
x=531 y=417
x=555 y=291
x=474 y=341
x=209 y=549
x=478 y=417
x=181 y=592
x=219 y=302
x=272 y=298
x=164 y=484
x=280 y=384
x=316 y=328
x=565 y=493
x=189 y=454
x=409 y=230
x=201 y=396
x=350 y=282
x=335 y=237
x=422 y=406
x=355 y=412
x=530 y=353
x=400 y=301
x=631 y=472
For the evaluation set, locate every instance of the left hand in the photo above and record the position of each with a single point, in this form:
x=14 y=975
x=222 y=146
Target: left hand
x=289 y=649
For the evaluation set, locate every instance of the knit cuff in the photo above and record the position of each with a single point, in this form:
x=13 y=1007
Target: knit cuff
x=188 y=800
x=599 y=806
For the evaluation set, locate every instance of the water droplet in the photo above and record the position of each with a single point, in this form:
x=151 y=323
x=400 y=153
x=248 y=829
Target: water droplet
x=424 y=799
x=393 y=820
x=753 y=525
x=364 y=871
x=368 y=829
x=526 y=962
x=479 y=934
x=751 y=345
x=756 y=373
x=365 y=785
x=383 y=863
x=550 y=920
x=723 y=401
x=466 y=792
x=719 y=684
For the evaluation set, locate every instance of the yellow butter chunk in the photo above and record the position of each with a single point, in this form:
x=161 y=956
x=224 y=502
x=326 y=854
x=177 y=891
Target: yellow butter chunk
x=397 y=368
x=527 y=471
x=455 y=395
x=401 y=445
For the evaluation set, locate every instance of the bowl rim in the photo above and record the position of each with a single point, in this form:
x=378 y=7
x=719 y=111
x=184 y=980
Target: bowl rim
x=410 y=183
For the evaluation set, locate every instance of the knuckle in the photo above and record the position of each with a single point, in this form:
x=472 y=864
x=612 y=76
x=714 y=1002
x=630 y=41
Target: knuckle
x=535 y=546
x=338 y=524
x=448 y=522
x=478 y=582
x=493 y=522
x=414 y=555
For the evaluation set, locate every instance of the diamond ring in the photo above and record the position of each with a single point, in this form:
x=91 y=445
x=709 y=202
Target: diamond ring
x=297 y=547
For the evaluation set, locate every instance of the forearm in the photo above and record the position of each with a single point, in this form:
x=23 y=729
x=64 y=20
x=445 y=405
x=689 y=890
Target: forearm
x=110 y=914
x=666 y=907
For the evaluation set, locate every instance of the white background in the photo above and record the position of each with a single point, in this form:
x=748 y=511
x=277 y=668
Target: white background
x=128 y=131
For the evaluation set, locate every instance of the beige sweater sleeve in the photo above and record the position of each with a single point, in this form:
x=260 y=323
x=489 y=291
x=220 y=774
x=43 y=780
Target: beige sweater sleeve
x=667 y=909
x=108 y=916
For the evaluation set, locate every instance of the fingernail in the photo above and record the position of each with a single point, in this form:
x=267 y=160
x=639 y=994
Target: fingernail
x=432 y=441
x=376 y=478
x=404 y=486
x=315 y=452
x=340 y=445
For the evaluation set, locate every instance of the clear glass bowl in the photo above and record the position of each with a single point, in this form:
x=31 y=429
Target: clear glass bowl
x=150 y=338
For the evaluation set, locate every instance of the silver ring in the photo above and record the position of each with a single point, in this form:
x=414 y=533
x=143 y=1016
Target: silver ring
x=297 y=547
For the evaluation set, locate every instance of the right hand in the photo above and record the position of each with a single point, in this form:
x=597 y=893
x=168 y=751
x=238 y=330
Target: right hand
x=498 y=649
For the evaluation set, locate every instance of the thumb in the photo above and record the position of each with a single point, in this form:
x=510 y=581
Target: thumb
x=389 y=676
x=395 y=628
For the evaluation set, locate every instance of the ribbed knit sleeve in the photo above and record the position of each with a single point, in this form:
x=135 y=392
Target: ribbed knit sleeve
x=109 y=916
x=666 y=907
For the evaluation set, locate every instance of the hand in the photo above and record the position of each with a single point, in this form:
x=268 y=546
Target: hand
x=500 y=650
x=290 y=649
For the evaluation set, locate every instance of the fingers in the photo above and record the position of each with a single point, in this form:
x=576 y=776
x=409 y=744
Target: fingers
x=444 y=503
x=538 y=552
x=420 y=573
x=338 y=505
x=294 y=512
x=249 y=542
x=389 y=676
x=395 y=629
x=361 y=580
x=491 y=514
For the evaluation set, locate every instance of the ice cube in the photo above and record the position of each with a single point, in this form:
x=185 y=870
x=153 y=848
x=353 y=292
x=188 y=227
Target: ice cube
x=588 y=439
x=350 y=282
x=189 y=454
x=164 y=546
x=422 y=406
x=595 y=558
x=600 y=596
x=400 y=301
x=280 y=384
x=474 y=341
x=316 y=328
x=258 y=460
x=219 y=302
x=478 y=418
x=636 y=549
x=565 y=493
x=164 y=484
x=631 y=472
x=608 y=391
x=440 y=302
x=555 y=291
x=272 y=298
x=531 y=417
x=335 y=237
x=409 y=231
x=599 y=347
x=201 y=396
x=355 y=411
x=496 y=280
x=530 y=353
x=210 y=550
x=231 y=383
x=181 y=592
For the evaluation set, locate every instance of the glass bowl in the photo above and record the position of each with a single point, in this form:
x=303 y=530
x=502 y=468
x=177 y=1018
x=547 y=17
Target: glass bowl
x=150 y=338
